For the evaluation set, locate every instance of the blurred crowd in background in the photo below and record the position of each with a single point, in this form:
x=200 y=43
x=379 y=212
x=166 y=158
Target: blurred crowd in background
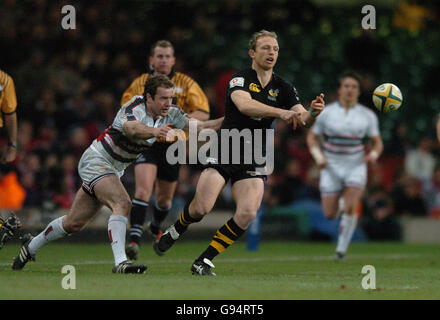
x=69 y=84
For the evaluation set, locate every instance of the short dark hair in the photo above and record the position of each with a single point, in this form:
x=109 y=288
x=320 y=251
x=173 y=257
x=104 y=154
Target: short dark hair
x=349 y=74
x=155 y=81
x=258 y=35
x=162 y=44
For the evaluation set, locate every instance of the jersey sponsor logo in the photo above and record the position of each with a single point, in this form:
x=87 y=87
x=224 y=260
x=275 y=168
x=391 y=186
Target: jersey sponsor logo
x=236 y=82
x=254 y=87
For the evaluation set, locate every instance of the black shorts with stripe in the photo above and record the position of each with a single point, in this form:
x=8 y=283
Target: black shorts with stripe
x=236 y=172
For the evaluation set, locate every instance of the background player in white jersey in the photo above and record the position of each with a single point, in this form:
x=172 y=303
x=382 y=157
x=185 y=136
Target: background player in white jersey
x=344 y=125
x=136 y=127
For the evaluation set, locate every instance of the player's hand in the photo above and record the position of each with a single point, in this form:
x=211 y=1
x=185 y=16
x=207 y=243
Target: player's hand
x=297 y=119
x=287 y=115
x=318 y=104
x=163 y=131
x=370 y=158
x=292 y=117
x=9 y=155
x=322 y=164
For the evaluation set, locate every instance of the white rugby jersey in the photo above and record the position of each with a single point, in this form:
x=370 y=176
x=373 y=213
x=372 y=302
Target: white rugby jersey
x=344 y=131
x=126 y=149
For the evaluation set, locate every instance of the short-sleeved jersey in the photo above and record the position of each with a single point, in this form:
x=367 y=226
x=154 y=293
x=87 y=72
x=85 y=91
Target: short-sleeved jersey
x=278 y=93
x=344 y=131
x=8 y=99
x=126 y=149
x=189 y=96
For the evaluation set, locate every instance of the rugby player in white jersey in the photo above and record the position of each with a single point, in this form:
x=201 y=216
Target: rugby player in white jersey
x=136 y=127
x=344 y=125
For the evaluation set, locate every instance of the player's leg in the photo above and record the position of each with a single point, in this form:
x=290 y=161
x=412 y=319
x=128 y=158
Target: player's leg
x=145 y=175
x=110 y=192
x=247 y=194
x=355 y=180
x=351 y=198
x=83 y=209
x=209 y=186
x=331 y=204
x=164 y=192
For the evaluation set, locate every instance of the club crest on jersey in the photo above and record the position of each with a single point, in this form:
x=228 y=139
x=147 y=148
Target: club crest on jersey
x=273 y=94
x=236 y=82
x=254 y=87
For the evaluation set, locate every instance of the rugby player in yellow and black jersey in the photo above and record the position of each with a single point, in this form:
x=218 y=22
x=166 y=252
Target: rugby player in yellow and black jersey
x=151 y=168
x=254 y=98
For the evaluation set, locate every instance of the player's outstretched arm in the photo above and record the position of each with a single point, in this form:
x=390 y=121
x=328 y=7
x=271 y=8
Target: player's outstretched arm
x=199 y=115
x=138 y=130
x=253 y=108
x=208 y=124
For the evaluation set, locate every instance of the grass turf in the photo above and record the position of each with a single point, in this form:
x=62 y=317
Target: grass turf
x=279 y=270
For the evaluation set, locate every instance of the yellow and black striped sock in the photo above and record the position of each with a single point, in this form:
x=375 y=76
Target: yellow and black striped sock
x=185 y=220
x=223 y=238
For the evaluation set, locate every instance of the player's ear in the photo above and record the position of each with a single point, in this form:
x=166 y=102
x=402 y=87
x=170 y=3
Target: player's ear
x=251 y=53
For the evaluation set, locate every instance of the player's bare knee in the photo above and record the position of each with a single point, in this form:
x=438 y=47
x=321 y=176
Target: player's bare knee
x=199 y=210
x=125 y=207
x=247 y=215
x=163 y=202
x=121 y=207
x=143 y=194
x=330 y=214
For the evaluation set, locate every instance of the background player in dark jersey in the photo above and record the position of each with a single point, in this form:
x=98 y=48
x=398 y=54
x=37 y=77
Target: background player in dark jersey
x=8 y=119
x=153 y=164
x=255 y=97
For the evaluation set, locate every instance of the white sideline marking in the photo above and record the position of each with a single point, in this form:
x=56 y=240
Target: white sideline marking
x=267 y=259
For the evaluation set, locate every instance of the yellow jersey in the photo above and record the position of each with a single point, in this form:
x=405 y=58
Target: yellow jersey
x=8 y=99
x=190 y=96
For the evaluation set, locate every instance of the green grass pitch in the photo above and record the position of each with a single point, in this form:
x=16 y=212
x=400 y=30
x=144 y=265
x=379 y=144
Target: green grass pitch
x=279 y=270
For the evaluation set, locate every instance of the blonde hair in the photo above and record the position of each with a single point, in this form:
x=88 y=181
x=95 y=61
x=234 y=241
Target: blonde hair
x=258 y=35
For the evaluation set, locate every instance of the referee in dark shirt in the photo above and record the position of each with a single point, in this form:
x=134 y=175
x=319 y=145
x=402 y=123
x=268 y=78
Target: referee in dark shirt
x=254 y=98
